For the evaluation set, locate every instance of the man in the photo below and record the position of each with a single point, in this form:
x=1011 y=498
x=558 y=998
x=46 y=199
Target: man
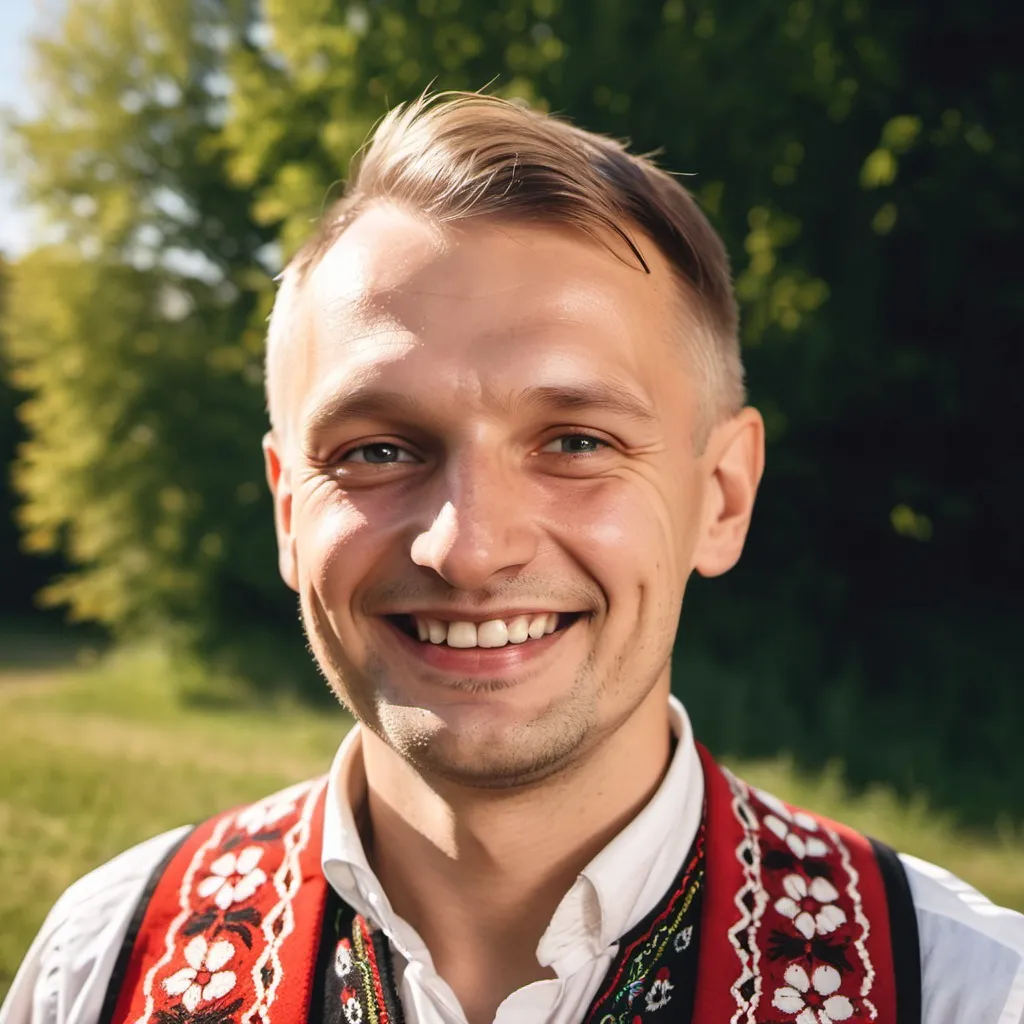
x=507 y=425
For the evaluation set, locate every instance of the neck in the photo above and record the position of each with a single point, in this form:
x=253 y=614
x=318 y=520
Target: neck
x=479 y=873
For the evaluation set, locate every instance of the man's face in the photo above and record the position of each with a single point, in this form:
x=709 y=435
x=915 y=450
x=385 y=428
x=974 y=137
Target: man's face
x=490 y=443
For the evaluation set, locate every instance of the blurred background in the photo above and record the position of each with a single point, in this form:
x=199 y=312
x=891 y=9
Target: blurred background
x=864 y=162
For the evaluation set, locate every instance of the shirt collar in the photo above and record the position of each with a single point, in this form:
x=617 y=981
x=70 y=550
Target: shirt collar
x=624 y=882
x=343 y=857
x=612 y=894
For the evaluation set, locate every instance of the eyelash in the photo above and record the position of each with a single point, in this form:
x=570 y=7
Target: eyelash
x=346 y=456
x=600 y=442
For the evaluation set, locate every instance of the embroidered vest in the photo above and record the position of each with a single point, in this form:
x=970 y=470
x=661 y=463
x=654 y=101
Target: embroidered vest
x=777 y=916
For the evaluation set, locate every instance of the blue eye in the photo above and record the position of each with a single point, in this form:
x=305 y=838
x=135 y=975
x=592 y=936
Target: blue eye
x=380 y=454
x=574 y=444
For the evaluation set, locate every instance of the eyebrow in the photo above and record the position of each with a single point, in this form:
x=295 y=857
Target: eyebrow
x=606 y=396
x=364 y=400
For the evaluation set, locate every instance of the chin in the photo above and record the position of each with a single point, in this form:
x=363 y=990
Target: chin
x=485 y=748
x=490 y=768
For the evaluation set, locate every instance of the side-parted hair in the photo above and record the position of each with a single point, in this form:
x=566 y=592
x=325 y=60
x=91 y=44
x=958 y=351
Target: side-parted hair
x=455 y=156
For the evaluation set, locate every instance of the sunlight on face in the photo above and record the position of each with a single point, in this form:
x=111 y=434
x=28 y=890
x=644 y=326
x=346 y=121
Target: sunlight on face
x=490 y=421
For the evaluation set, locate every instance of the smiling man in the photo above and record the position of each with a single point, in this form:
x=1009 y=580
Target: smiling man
x=507 y=426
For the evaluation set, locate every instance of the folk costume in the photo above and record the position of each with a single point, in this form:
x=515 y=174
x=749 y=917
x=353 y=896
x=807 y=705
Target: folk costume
x=770 y=915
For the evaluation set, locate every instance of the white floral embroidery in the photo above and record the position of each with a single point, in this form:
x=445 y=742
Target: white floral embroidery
x=811 y=906
x=659 y=994
x=268 y=812
x=353 y=1010
x=203 y=979
x=342 y=959
x=682 y=940
x=782 y=821
x=812 y=1000
x=234 y=878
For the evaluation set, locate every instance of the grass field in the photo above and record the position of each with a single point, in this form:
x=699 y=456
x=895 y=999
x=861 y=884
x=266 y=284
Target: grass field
x=94 y=760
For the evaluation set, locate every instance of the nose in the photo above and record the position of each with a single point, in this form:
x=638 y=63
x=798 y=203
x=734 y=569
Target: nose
x=483 y=530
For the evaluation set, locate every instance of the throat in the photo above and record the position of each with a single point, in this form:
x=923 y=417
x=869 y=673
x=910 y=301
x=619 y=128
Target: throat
x=482 y=983
x=482 y=930
x=480 y=908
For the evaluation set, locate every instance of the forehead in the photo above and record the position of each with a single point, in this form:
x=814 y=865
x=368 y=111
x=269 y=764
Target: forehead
x=482 y=307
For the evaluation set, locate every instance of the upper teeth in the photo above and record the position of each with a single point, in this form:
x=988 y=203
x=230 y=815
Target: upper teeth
x=492 y=633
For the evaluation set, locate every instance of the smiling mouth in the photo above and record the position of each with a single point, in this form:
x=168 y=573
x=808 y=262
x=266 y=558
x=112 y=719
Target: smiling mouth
x=494 y=633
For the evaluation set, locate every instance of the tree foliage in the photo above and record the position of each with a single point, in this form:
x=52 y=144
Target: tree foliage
x=137 y=334
x=869 y=189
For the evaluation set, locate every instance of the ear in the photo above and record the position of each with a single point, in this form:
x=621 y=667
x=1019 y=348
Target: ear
x=735 y=460
x=279 y=480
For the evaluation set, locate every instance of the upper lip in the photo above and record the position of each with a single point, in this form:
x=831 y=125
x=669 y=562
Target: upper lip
x=454 y=615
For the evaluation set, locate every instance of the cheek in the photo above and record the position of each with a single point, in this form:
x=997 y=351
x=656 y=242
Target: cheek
x=334 y=547
x=631 y=533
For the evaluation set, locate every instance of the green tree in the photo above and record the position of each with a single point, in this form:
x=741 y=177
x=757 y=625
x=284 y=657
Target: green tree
x=136 y=335
x=19 y=574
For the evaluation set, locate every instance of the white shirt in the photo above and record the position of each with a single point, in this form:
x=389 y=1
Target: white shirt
x=972 y=952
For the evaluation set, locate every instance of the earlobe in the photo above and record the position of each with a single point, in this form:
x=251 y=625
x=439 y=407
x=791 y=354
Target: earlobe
x=279 y=481
x=736 y=462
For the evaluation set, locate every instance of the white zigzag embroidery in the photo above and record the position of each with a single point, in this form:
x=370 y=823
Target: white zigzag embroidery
x=295 y=842
x=853 y=892
x=749 y=855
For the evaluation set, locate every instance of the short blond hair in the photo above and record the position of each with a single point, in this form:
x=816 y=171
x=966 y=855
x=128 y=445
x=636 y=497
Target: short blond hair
x=454 y=156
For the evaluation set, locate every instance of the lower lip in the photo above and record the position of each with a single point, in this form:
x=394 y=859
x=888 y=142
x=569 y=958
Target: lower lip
x=477 y=661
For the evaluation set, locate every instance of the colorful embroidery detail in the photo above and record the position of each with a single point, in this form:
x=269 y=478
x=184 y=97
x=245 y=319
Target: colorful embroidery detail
x=641 y=977
x=358 y=986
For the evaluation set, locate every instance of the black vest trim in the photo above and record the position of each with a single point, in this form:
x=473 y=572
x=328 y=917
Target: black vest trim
x=125 y=953
x=906 y=948
x=354 y=978
x=656 y=963
x=330 y=928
